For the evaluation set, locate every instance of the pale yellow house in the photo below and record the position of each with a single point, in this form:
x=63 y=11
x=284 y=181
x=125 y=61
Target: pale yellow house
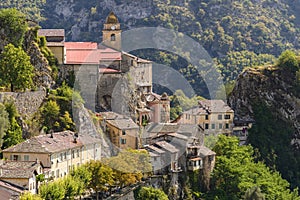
x=214 y=116
x=59 y=152
x=121 y=130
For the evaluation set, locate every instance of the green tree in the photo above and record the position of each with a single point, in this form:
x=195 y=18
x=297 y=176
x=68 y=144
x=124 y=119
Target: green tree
x=235 y=172
x=50 y=114
x=72 y=187
x=102 y=176
x=13 y=135
x=149 y=193
x=4 y=123
x=29 y=196
x=288 y=61
x=83 y=176
x=15 y=68
x=52 y=190
x=14 y=25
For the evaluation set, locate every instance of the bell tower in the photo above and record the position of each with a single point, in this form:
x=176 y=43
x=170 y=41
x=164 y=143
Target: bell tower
x=111 y=33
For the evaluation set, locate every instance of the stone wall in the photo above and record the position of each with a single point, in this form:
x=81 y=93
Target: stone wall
x=27 y=103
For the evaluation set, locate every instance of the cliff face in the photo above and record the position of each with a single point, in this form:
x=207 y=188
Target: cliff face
x=269 y=97
x=270 y=87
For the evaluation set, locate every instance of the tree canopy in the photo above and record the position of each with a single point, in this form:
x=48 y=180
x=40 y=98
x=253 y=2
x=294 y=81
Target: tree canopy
x=236 y=173
x=16 y=70
x=13 y=24
x=150 y=193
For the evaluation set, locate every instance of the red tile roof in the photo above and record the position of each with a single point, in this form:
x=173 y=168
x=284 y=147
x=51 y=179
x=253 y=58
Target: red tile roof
x=89 y=53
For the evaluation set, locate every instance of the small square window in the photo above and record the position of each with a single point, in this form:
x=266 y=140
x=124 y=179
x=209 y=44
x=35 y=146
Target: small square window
x=26 y=157
x=213 y=126
x=227 y=126
x=123 y=141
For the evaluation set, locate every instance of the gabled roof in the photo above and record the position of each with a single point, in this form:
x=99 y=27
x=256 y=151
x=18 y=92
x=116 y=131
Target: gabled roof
x=18 y=169
x=123 y=124
x=167 y=146
x=46 y=144
x=9 y=190
x=208 y=106
x=205 y=151
x=51 y=32
x=89 y=53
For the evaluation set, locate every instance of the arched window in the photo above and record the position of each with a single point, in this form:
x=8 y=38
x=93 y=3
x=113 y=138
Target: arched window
x=113 y=37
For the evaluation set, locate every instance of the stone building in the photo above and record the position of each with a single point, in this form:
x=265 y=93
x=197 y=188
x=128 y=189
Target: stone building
x=121 y=130
x=213 y=116
x=59 y=152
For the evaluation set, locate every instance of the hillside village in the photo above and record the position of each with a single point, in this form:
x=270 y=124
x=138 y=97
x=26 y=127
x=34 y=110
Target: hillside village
x=138 y=121
x=83 y=120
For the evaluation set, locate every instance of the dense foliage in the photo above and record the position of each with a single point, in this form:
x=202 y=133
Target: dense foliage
x=272 y=136
x=13 y=26
x=149 y=193
x=16 y=70
x=236 y=174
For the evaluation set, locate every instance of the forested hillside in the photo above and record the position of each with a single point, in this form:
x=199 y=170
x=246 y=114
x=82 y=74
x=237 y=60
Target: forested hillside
x=233 y=32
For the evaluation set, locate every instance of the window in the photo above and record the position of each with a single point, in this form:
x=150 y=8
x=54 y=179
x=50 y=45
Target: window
x=77 y=153
x=213 y=126
x=123 y=133
x=206 y=117
x=26 y=157
x=16 y=158
x=61 y=157
x=123 y=141
x=226 y=116
x=113 y=37
x=227 y=126
x=220 y=126
x=219 y=117
x=206 y=126
x=65 y=155
x=73 y=154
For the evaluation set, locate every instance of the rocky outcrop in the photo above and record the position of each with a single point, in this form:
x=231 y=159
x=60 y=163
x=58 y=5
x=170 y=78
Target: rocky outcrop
x=27 y=103
x=270 y=86
x=42 y=69
x=85 y=125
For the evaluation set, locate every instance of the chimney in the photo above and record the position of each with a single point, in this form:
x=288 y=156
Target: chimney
x=51 y=133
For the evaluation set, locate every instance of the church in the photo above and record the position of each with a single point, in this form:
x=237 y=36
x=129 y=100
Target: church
x=108 y=78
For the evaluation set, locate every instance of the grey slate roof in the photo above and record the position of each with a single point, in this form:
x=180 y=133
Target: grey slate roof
x=45 y=144
x=51 y=32
x=205 y=106
x=18 y=169
x=167 y=146
x=123 y=124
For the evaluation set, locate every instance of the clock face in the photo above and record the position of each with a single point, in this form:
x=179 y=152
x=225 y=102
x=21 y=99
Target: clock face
x=113 y=27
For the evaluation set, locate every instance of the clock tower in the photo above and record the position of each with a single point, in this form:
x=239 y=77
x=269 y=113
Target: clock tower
x=111 y=33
